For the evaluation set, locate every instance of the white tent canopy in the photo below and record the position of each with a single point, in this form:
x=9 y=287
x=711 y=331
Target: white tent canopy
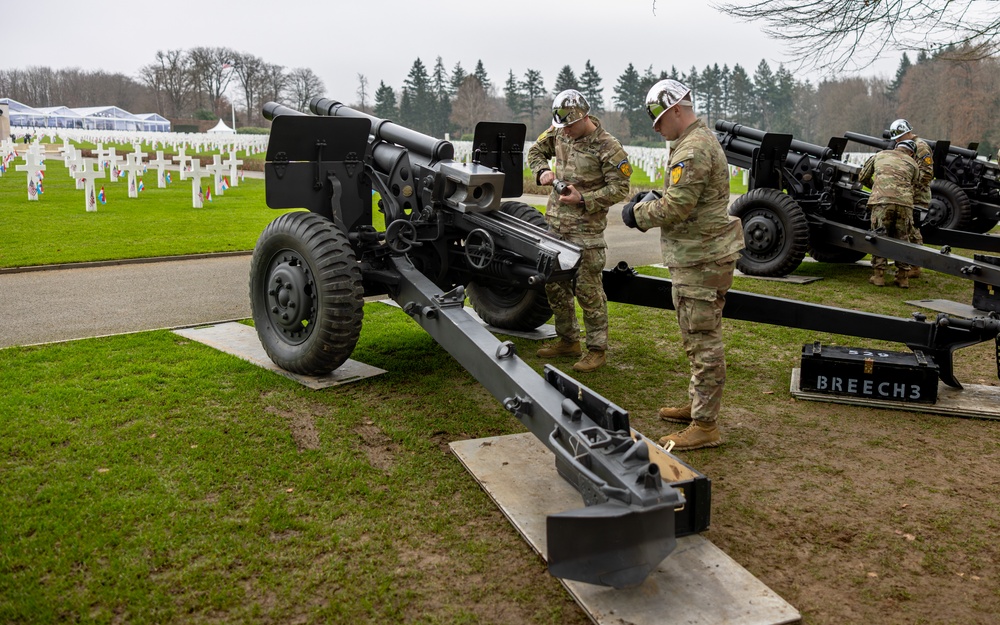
x=221 y=127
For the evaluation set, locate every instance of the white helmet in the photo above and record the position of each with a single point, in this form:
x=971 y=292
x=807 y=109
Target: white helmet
x=663 y=95
x=569 y=107
x=899 y=128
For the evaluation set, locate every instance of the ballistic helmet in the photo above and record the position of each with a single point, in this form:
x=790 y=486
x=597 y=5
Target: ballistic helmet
x=899 y=128
x=664 y=95
x=908 y=144
x=569 y=107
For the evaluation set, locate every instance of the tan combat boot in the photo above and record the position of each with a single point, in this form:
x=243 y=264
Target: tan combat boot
x=695 y=436
x=903 y=279
x=914 y=272
x=676 y=415
x=592 y=361
x=878 y=277
x=560 y=348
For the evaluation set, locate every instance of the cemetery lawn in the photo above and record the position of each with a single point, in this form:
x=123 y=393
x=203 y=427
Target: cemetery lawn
x=160 y=222
x=147 y=478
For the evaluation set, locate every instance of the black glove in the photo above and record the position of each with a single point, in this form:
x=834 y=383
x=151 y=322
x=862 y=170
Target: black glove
x=628 y=215
x=638 y=197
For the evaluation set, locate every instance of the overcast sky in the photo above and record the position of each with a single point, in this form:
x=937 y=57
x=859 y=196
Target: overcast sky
x=339 y=39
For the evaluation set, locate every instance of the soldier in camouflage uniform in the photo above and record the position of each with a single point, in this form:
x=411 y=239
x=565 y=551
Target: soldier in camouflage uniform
x=701 y=243
x=900 y=130
x=892 y=176
x=596 y=170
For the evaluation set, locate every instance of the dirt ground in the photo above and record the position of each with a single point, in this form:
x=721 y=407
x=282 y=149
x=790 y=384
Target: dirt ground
x=860 y=515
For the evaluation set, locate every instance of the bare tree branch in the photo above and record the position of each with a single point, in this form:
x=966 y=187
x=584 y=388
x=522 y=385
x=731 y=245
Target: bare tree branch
x=850 y=34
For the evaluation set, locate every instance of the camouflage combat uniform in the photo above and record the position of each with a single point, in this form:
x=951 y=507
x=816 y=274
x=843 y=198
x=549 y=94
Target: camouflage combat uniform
x=700 y=243
x=598 y=167
x=892 y=176
x=922 y=190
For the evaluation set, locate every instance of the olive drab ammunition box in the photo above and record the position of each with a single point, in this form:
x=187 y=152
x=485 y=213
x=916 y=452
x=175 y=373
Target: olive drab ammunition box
x=869 y=373
x=986 y=296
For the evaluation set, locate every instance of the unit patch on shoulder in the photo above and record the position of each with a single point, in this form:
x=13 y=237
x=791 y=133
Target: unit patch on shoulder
x=676 y=172
x=928 y=160
x=625 y=168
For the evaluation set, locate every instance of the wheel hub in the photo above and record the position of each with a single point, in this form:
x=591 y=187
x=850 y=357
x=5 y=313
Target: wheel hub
x=763 y=233
x=937 y=213
x=291 y=297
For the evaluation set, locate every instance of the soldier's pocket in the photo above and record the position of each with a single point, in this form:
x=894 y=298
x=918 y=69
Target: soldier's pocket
x=697 y=308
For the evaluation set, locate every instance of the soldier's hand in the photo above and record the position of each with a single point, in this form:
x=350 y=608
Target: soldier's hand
x=628 y=215
x=546 y=177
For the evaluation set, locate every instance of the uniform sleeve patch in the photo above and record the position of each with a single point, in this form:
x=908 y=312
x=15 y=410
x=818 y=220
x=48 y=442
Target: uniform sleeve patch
x=625 y=168
x=928 y=160
x=676 y=172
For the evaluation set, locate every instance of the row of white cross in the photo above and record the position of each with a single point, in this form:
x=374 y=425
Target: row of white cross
x=85 y=170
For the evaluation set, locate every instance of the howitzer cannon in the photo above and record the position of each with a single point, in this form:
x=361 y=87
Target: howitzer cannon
x=449 y=235
x=965 y=190
x=803 y=198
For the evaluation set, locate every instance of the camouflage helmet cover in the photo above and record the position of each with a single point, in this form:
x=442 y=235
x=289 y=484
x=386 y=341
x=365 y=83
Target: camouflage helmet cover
x=664 y=95
x=899 y=128
x=569 y=107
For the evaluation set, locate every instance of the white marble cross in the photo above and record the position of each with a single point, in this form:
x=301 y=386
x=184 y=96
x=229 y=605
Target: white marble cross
x=113 y=159
x=182 y=159
x=84 y=173
x=197 y=198
x=133 y=166
x=232 y=162
x=160 y=164
x=33 y=163
x=217 y=169
x=74 y=162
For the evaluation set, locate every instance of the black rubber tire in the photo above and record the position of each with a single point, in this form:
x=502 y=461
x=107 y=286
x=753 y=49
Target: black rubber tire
x=512 y=308
x=775 y=231
x=950 y=206
x=826 y=253
x=323 y=297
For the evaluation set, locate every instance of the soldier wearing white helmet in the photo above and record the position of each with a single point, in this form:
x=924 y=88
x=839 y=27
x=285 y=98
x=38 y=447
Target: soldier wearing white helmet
x=901 y=130
x=595 y=169
x=701 y=243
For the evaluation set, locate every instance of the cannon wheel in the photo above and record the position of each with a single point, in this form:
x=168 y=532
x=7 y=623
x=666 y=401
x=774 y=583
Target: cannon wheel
x=775 y=231
x=512 y=308
x=950 y=206
x=306 y=294
x=826 y=253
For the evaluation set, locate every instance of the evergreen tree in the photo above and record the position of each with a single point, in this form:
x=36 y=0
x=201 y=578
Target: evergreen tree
x=457 y=76
x=904 y=66
x=440 y=88
x=764 y=88
x=782 y=102
x=711 y=93
x=566 y=80
x=590 y=87
x=417 y=103
x=513 y=96
x=385 y=101
x=484 y=80
x=630 y=97
x=726 y=77
x=533 y=88
x=740 y=96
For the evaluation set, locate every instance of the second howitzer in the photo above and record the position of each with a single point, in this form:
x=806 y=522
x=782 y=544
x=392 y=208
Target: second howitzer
x=965 y=192
x=804 y=198
x=449 y=235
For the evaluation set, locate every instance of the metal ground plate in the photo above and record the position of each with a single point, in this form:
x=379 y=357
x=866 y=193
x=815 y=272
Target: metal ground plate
x=241 y=341
x=975 y=400
x=697 y=584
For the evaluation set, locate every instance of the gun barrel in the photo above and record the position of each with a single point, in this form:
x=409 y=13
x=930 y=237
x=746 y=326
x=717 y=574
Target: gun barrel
x=874 y=142
x=383 y=129
x=739 y=130
x=273 y=109
x=952 y=149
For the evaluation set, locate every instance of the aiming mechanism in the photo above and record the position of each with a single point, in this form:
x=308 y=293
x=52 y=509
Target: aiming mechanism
x=803 y=198
x=965 y=192
x=448 y=236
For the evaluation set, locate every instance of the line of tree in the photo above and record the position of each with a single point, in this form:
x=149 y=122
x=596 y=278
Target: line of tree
x=946 y=95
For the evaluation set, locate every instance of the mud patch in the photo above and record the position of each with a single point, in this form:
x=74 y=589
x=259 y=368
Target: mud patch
x=302 y=423
x=380 y=450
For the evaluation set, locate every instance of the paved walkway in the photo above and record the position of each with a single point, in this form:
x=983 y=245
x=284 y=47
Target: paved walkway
x=80 y=301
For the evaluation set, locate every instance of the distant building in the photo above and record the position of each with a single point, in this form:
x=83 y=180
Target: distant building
x=84 y=118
